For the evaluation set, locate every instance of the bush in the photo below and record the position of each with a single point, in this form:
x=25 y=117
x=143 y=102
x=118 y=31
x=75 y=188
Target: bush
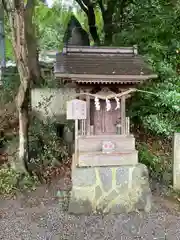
x=10 y=181
x=159 y=168
x=46 y=147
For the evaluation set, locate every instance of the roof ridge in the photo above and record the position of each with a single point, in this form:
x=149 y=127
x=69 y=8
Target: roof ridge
x=101 y=50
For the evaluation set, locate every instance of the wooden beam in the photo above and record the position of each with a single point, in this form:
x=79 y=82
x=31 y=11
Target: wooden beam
x=97 y=50
x=90 y=77
x=76 y=140
x=80 y=121
x=88 y=115
x=127 y=126
x=123 y=115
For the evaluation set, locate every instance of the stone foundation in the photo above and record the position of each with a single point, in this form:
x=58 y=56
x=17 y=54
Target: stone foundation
x=98 y=159
x=176 y=161
x=110 y=189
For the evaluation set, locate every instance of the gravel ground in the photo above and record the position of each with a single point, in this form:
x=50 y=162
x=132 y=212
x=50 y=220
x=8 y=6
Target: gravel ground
x=38 y=215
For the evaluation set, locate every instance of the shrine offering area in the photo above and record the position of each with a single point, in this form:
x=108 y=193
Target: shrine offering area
x=110 y=189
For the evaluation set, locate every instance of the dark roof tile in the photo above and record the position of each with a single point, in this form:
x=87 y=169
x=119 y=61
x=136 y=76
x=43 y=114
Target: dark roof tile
x=102 y=64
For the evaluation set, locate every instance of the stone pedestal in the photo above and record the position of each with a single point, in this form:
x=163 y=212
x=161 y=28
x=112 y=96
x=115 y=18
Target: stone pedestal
x=176 y=162
x=110 y=189
x=98 y=159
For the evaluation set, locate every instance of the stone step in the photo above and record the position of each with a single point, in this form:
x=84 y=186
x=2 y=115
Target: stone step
x=93 y=143
x=95 y=159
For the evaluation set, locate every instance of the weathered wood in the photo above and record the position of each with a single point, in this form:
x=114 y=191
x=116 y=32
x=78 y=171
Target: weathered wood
x=76 y=109
x=105 y=121
x=123 y=115
x=76 y=139
x=127 y=126
x=89 y=78
x=88 y=114
x=82 y=122
x=83 y=127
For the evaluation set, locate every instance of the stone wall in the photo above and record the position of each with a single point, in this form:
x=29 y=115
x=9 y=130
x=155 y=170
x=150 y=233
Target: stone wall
x=110 y=189
x=176 y=161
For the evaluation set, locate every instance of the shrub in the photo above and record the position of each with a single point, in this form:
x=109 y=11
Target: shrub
x=10 y=181
x=159 y=168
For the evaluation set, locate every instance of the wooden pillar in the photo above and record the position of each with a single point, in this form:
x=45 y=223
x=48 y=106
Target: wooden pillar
x=127 y=126
x=88 y=115
x=81 y=121
x=123 y=115
x=76 y=141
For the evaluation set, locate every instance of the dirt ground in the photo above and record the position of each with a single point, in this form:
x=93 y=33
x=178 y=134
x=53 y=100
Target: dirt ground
x=39 y=216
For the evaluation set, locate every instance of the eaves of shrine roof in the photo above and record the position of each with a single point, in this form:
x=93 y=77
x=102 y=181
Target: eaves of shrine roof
x=102 y=64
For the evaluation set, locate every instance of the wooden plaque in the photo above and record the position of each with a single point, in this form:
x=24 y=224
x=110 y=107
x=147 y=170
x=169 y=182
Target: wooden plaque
x=76 y=109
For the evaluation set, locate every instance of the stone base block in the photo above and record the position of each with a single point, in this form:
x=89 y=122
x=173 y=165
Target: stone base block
x=93 y=143
x=110 y=189
x=97 y=159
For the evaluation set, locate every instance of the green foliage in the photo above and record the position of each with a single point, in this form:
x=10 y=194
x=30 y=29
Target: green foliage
x=46 y=147
x=11 y=82
x=147 y=158
x=8 y=43
x=158 y=170
x=51 y=25
x=154 y=26
x=9 y=181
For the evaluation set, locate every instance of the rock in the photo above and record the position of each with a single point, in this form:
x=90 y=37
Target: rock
x=110 y=189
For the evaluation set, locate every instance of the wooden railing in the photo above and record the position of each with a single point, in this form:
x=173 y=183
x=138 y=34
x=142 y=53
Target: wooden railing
x=83 y=130
x=127 y=128
x=83 y=127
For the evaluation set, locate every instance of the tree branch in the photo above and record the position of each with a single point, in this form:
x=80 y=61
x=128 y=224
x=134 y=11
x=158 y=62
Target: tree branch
x=4 y=3
x=88 y=8
x=83 y=6
x=102 y=9
x=30 y=4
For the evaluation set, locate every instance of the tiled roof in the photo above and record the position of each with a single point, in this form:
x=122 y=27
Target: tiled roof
x=98 y=62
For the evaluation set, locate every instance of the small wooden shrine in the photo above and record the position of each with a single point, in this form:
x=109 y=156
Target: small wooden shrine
x=104 y=78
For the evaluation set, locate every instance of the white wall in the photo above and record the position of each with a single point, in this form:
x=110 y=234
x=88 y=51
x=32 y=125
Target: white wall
x=50 y=103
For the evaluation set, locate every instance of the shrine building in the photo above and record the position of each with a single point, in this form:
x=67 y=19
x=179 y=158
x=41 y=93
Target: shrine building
x=104 y=77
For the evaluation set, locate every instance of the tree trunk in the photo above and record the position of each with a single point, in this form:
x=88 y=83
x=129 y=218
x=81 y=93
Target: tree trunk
x=107 y=16
x=18 y=25
x=32 y=44
x=23 y=112
x=92 y=25
x=108 y=29
x=88 y=8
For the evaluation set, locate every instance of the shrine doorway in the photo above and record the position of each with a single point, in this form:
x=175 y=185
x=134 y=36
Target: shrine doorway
x=103 y=121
